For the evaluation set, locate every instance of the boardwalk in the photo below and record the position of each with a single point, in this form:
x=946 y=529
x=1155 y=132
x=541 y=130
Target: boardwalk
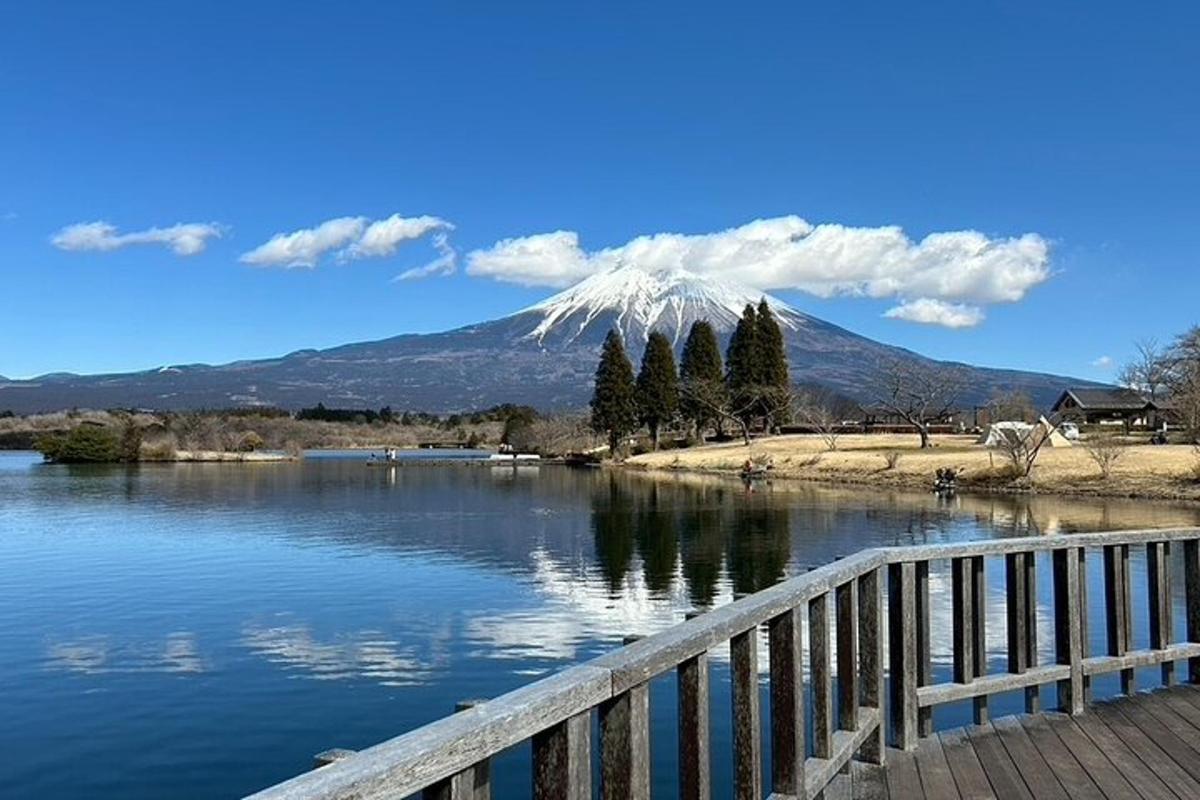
x=852 y=690
x=1142 y=747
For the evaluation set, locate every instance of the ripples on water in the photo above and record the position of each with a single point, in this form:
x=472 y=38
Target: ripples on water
x=201 y=630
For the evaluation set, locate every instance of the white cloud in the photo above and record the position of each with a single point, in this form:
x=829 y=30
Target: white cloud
x=382 y=237
x=350 y=237
x=186 y=239
x=790 y=253
x=303 y=248
x=1103 y=362
x=445 y=264
x=937 y=312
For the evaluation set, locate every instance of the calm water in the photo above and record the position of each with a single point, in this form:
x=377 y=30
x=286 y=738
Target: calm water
x=203 y=630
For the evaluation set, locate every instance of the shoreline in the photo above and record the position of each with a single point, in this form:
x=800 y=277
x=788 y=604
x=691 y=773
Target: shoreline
x=1160 y=473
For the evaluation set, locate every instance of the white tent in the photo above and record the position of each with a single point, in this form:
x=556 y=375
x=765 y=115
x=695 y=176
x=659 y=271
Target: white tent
x=997 y=433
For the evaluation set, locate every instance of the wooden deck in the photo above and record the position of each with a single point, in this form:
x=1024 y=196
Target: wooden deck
x=1142 y=747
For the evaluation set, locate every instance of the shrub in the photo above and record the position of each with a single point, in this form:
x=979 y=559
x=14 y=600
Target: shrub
x=249 y=442
x=84 y=444
x=1106 y=450
x=891 y=458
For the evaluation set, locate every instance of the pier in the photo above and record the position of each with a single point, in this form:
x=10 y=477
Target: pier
x=849 y=648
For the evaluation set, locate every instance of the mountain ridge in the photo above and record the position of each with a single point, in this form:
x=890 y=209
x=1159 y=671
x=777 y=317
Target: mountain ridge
x=543 y=355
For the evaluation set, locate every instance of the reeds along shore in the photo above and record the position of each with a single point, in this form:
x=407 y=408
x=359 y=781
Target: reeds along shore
x=893 y=460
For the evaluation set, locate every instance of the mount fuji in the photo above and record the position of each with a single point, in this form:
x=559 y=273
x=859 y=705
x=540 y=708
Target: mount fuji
x=544 y=356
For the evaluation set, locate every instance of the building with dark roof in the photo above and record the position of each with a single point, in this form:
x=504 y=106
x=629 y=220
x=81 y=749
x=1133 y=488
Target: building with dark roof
x=1094 y=406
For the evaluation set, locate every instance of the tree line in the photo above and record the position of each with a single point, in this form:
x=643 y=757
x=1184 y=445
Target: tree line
x=1170 y=374
x=749 y=388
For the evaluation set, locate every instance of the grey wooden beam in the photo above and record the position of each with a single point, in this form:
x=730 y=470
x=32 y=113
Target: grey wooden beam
x=819 y=674
x=1158 y=573
x=694 y=771
x=902 y=652
x=747 y=742
x=625 y=745
x=1067 y=628
x=1118 y=608
x=870 y=657
x=1191 y=580
x=846 y=609
x=562 y=760
x=788 y=746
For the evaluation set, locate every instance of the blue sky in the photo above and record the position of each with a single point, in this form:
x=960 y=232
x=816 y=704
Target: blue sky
x=1077 y=123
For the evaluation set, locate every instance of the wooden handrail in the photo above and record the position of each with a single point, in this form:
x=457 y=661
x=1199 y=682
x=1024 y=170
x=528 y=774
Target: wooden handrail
x=841 y=603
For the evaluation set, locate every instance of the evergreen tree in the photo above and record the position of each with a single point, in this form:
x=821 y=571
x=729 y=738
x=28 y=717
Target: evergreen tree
x=657 y=385
x=770 y=363
x=701 y=376
x=614 y=403
x=741 y=371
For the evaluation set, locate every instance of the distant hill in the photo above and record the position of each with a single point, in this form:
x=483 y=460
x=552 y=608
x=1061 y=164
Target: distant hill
x=543 y=356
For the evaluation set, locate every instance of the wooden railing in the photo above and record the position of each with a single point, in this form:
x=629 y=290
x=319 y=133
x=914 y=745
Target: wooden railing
x=842 y=605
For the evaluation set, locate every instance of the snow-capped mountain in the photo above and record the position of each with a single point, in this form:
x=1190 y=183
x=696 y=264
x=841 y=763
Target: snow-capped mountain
x=544 y=355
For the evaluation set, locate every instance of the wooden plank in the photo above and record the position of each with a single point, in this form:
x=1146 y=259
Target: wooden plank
x=1084 y=641
x=1076 y=762
x=694 y=727
x=1021 y=612
x=407 y=764
x=1158 y=580
x=1118 y=611
x=625 y=745
x=1093 y=762
x=936 y=779
x=924 y=646
x=562 y=760
x=481 y=782
x=1191 y=581
x=819 y=675
x=788 y=747
x=999 y=547
x=1179 y=756
x=1039 y=777
x=963 y=619
x=928 y=696
x=820 y=772
x=1067 y=628
x=964 y=765
x=870 y=654
x=846 y=609
x=903 y=779
x=902 y=651
x=1097 y=665
x=459 y=786
x=747 y=742
x=978 y=629
x=1001 y=771
x=1148 y=785
x=1173 y=700
x=869 y=781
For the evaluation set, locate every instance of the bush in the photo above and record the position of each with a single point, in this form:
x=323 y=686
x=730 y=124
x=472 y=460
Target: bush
x=249 y=442
x=84 y=444
x=891 y=458
x=1106 y=450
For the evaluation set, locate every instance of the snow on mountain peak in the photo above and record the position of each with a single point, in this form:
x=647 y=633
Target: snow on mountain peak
x=638 y=301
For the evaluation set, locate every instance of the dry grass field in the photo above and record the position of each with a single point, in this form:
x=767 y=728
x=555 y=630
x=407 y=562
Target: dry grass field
x=896 y=461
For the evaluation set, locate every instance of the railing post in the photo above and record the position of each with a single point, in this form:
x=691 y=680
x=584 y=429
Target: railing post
x=562 y=760
x=747 y=746
x=473 y=783
x=1084 y=641
x=788 y=749
x=1118 y=608
x=1158 y=570
x=846 y=603
x=1021 y=595
x=967 y=599
x=924 y=649
x=870 y=655
x=1191 y=581
x=902 y=651
x=694 y=774
x=1067 y=629
x=625 y=745
x=819 y=674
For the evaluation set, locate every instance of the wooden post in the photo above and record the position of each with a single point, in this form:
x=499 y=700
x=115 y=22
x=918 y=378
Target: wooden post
x=788 y=749
x=1118 y=608
x=846 y=602
x=1017 y=596
x=979 y=632
x=562 y=760
x=747 y=746
x=819 y=672
x=625 y=745
x=694 y=774
x=1084 y=642
x=1191 y=580
x=1158 y=570
x=962 y=594
x=902 y=652
x=473 y=783
x=1067 y=629
x=870 y=656
x=924 y=649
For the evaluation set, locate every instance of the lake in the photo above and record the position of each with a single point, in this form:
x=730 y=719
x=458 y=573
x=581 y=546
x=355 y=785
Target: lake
x=202 y=630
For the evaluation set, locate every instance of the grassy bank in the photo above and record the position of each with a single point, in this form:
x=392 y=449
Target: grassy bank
x=895 y=461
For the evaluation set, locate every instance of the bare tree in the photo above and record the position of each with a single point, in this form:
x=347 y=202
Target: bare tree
x=1106 y=450
x=1011 y=406
x=1148 y=371
x=920 y=394
x=720 y=405
x=1182 y=380
x=1022 y=447
x=820 y=417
